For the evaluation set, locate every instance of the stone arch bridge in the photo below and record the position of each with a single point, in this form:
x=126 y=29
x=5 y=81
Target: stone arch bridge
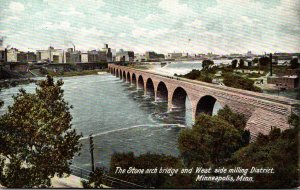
x=262 y=111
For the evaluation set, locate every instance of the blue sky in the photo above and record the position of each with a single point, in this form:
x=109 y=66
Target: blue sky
x=220 y=26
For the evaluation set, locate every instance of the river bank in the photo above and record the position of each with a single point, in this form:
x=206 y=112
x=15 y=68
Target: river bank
x=76 y=73
x=8 y=83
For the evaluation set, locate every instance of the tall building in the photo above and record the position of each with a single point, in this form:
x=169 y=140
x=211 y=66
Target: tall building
x=84 y=58
x=26 y=57
x=125 y=56
x=3 y=53
x=12 y=55
x=95 y=56
x=139 y=58
x=109 y=55
x=50 y=55
x=72 y=56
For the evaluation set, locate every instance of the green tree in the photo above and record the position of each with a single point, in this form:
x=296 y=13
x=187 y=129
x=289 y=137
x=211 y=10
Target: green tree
x=204 y=75
x=234 y=63
x=206 y=64
x=242 y=63
x=210 y=142
x=264 y=61
x=294 y=63
x=194 y=74
x=238 y=120
x=255 y=60
x=277 y=150
x=240 y=82
x=36 y=138
x=96 y=179
x=43 y=71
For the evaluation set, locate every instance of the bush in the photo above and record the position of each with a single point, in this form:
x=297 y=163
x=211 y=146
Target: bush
x=239 y=82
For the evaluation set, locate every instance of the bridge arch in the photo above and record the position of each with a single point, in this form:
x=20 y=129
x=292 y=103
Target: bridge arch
x=179 y=97
x=141 y=82
x=117 y=73
x=124 y=76
x=121 y=74
x=206 y=105
x=150 y=87
x=128 y=77
x=133 y=80
x=162 y=91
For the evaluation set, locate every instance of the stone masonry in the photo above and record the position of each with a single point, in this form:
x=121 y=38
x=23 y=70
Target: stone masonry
x=262 y=111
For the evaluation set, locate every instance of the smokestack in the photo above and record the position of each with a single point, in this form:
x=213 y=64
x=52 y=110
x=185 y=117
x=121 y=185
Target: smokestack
x=271 y=65
x=5 y=55
x=63 y=57
x=73 y=46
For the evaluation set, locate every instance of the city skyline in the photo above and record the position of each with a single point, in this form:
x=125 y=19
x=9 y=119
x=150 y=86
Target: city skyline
x=163 y=26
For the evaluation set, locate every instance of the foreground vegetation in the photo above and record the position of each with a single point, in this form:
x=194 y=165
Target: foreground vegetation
x=216 y=142
x=36 y=138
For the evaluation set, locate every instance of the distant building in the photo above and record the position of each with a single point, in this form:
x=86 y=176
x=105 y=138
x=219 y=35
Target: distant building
x=95 y=56
x=125 y=56
x=26 y=57
x=19 y=67
x=235 y=56
x=249 y=54
x=72 y=56
x=3 y=53
x=286 y=82
x=12 y=55
x=286 y=56
x=109 y=54
x=84 y=58
x=153 y=56
x=50 y=55
x=174 y=55
x=114 y=54
x=139 y=58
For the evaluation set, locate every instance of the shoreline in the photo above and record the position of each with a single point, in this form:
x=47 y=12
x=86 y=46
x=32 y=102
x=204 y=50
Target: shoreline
x=77 y=73
x=9 y=83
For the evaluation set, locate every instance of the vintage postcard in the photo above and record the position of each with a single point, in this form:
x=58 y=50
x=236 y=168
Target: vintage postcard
x=165 y=94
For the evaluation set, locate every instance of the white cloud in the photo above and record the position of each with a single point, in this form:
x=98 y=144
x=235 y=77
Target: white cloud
x=197 y=24
x=9 y=19
x=147 y=33
x=173 y=6
x=122 y=35
x=72 y=12
x=16 y=7
x=64 y=25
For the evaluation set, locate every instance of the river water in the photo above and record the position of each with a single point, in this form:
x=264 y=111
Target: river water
x=119 y=116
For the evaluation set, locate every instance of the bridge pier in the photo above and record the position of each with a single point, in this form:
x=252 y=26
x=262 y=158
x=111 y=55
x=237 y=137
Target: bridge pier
x=170 y=105
x=145 y=88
